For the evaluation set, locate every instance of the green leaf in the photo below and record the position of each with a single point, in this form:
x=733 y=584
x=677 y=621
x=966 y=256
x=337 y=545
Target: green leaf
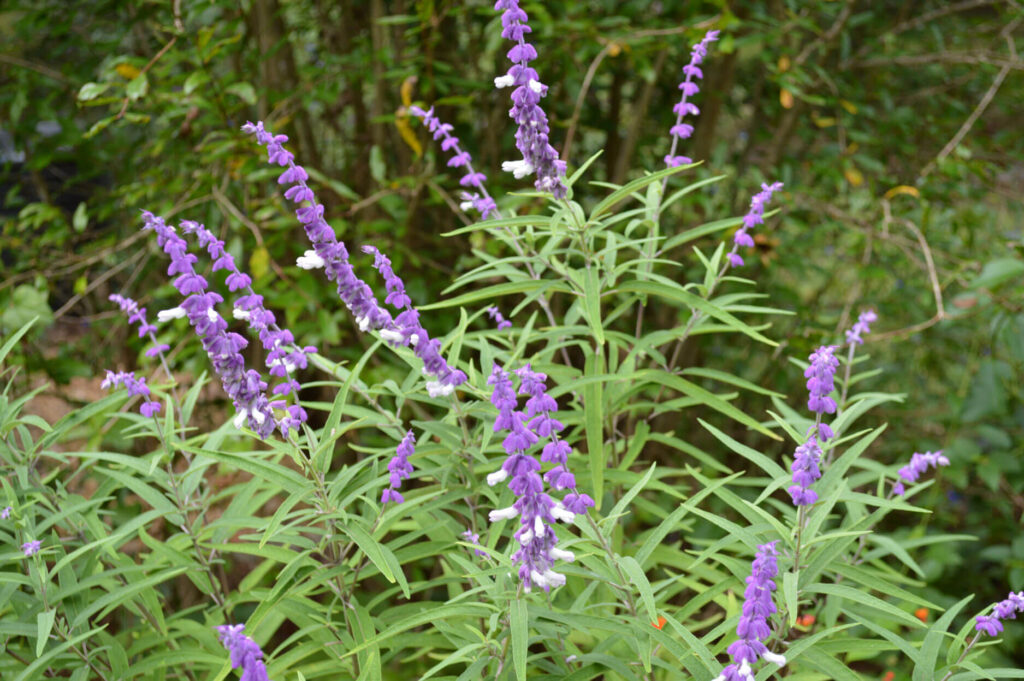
x=378 y=554
x=773 y=469
x=243 y=91
x=491 y=292
x=628 y=497
x=137 y=87
x=998 y=272
x=593 y=420
x=80 y=220
x=639 y=579
x=866 y=599
x=91 y=91
x=592 y=302
x=790 y=596
x=195 y=80
x=520 y=636
x=692 y=301
x=623 y=192
x=15 y=337
x=44 y=624
x=924 y=670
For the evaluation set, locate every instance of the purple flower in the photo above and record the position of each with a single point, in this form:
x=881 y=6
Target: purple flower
x=283 y=357
x=135 y=387
x=245 y=653
x=532 y=135
x=31 y=548
x=1005 y=609
x=137 y=314
x=495 y=314
x=537 y=511
x=6 y=513
x=474 y=538
x=753 y=627
x=479 y=200
x=680 y=130
x=863 y=325
x=805 y=472
x=820 y=377
x=399 y=469
x=244 y=387
x=919 y=464
x=755 y=216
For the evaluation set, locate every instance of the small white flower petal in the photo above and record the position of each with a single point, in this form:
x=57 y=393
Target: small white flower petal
x=496 y=477
x=504 y=81
x=503 y=514
x=775 y=659
x=173 y=313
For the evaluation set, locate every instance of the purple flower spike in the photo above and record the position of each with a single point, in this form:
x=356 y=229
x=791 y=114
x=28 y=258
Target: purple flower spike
x=532 y=136
x=805 y=472
x=135 y=386
x=755 y=216
x=31 y=548
x=919 y=464
x=820 y=380
x=137 y=315
x=680 y=130
x=399 y=469
x=863 y=325
x=537 y=511
x=245 y=652
x=244 y=387
x=753 y=627
x=495 y=314
x=283 y=357
x=1005 y=609
x=479 y=200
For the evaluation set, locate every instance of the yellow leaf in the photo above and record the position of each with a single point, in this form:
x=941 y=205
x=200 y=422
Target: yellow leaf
x=614 y=49
x=827 y=122
x=854 y=176
x=848 y=105
x=407 y=85
x=903 y=189
x=402 y=123
x=852 y=148
x=127 y=71
x=786 y=99
x=783 y=64
x=259 y=262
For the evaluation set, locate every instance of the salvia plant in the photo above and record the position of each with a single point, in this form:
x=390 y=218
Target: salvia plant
x=544 y=490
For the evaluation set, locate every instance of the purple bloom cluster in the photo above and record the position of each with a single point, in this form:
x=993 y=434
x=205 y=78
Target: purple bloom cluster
x=31 y=548
x=820 y=377
x=480 y=199
x=680 y=130
x=805 y=472
x=495 y=314
x=399 y=468
x=919 y=464
x=755 y=216
x=537 y=511
x=1005 y=609
x=532 y=136
x=244 y=387
x=407 y=329
x=863 y=325
x=245 y=652
x=753 y=627
x=135 y=386
x=283 y=356
x=331 y=254
x=5 y=513
x=137 y=314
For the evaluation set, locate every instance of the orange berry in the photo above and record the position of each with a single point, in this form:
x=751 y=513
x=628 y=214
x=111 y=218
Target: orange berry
x=805 y=620
x=921 y=614
x=660 y=623
x=889 y=676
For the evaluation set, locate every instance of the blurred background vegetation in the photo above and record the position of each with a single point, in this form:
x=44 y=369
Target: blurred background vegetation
x=896 y=127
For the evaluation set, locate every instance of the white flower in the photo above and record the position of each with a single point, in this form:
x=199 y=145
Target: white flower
x=212 y=314
x=779 y=660
x=391 y=336
x=502 y=514
x=438 y=389
x=363 y=323
x=173 y=313
x=559 y=554
x=504 y=81
x=562 y=513
x=536 y=86
x=309 y=260
x=239 y=313
x=519 y=169
x=466 y=206
x=496 y=477
x=414 y=339
x=240 y=418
